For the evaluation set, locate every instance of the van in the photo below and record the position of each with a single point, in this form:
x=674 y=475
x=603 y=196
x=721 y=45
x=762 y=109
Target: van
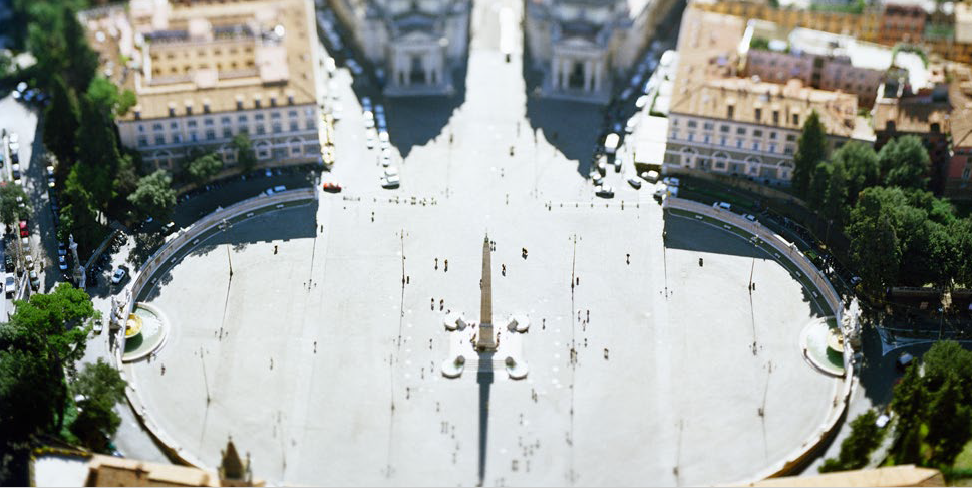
x=651 y=176
x=276 y=189
x=722 y=206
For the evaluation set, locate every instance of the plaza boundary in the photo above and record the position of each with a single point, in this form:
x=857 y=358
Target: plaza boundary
x=788 y=251
x=187 y=237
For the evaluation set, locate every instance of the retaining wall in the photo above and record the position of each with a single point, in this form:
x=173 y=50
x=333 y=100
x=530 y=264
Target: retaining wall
x=188 y=236
x=800 y=456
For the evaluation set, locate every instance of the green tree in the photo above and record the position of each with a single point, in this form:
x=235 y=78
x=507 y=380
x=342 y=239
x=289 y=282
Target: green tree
x=9 y=206
x=61 y=122
x=961 y=230
x=244 y=152
x=949 y=423
x=905 y=163
x=819 y=182
x=876 y=248
x=103 y=94
x=205 y=167
x=835 y=197
x=154 y=195
x=811 y=149
x=949 y=359
x=82 y=60
x=126 y=100
x=100 y=387
x=856 y=449
x=861 y=165
x=909 y=403
x=99 y=156
x=43 y=340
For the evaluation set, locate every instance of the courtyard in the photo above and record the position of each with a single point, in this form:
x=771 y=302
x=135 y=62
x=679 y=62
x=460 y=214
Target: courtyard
x=314 y=335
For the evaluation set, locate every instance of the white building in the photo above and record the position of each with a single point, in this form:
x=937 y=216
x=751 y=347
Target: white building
x=418 y=43
x=581 y=45
x=204 y=71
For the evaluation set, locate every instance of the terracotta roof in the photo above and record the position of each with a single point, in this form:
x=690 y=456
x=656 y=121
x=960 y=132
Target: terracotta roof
x=280 y=68
x=707 y=83
x=960 y=94
x=113 y=471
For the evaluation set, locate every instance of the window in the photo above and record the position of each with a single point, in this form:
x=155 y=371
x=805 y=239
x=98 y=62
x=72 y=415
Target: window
x=674 y=135
x=772 y=136
x=311 y=125
x=225 y=121
x=191 y=123
x=156 y=127
x=292 y=114
x=141 y=128
x=258 y=117
x=159 y=140
x=260 y=130
x=177 y=138
x=755 y=145
x=966 y=172
x=788 y=150
x=142 y=141
x=757 y=133
x=227 y=132
x=294 y=126
x=759 y=114
x=776 y=117
x=724 y=129
x=210 y=134
x=796 y=119
x=242 y=119
x=193 y=136
x=244 y=129
x=295 y=149
x=174 y=125
x=790 y=138
x=740 y=131
x=691 y=136
x=707 y=125
x=772 y=147
x=722 y=140
x=692 y=124
x=739 y=143
x=729 y=111
x=275 y=115
x=276 y=128
x=705 y=138
x=208 y=122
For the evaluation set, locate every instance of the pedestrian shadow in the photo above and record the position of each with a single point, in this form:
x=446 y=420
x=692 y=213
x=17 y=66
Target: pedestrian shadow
x=414 y=121
x=574 y=128
x=484 y=378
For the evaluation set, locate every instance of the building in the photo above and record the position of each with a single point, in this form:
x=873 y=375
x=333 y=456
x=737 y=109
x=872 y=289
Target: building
x=926 y=114
x=419 y=44
x=581 y=45
x=902 y=23
x=819 y=59
x=206 y=70
x=904 y=475
x=956 y=184
x=722 y=123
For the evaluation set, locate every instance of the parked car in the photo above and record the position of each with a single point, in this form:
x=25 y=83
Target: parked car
x=670 y=181
x=10 y=286
x=371 y=137
x=904 y=360
x=25 y=244
x=29 y=261
x=355 y=68
x=61 y=249
x=331 y=186
x=119 y=274
x=389 y=181
x=365 y=104
x=24 y=229
x=62 y=263
x=634 y=182
x=8 y=263
x=50 y=177
x=722 y=206
x=604 y=191
x=650 y=176
x=276 y=189
x=34 y=280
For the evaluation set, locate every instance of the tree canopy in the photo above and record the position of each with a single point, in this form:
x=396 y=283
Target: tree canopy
x=811 y=149
x=205 y=167
x=856 y=449
x=244 y=152
x=100 y=387
x=9 y=206
x=904 y=162
x=154 y=196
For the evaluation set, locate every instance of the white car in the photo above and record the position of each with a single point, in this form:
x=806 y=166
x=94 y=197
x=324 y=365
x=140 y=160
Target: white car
x=29 y=261
x=634 y=182
x=368 y=115
x=385 y=156
x=391 y=172
x=650 y=176
x=750 y=217
x=611 y=143
x=383 y=139
x=366 y=104
x=118 y=275
x=641 y=102
x=389 y=181
x=602 y=163
x=13 y=141
x=330 y=65
x=369 y=123
x=10 y=286
x=370 y=137
x=25 y=244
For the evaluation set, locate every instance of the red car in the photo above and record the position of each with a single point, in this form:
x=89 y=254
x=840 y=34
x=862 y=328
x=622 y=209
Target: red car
x=331 y=187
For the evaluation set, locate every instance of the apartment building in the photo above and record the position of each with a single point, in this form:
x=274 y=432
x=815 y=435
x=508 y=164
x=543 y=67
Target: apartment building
x=204 y=71
x=957 y=185
x=725 y=123
x=902 y=23
x=819 y=59
x=418 y=43
x=581 y=45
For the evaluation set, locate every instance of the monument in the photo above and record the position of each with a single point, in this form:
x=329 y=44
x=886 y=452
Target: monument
x=486 y=340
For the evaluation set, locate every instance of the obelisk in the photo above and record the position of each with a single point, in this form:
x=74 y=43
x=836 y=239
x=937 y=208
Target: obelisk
x=487 y=338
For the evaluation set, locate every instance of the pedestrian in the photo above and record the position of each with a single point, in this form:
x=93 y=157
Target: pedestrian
x=441 y=304
x=275 y=249
x=504 y=270
x=700 y=262
x=627 y=258
x=433 y=302
x=315 y=347
x=446 y=265
x=436 y=263
x=408 y=279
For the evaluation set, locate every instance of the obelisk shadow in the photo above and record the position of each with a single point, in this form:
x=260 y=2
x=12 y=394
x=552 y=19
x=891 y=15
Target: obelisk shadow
x=484 y=377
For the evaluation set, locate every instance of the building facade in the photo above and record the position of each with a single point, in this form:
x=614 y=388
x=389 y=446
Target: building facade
x=204 y=71
x=957 y=184
x=902 y=23
x=746 y=128
x=419 y=44
x=581 y=45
